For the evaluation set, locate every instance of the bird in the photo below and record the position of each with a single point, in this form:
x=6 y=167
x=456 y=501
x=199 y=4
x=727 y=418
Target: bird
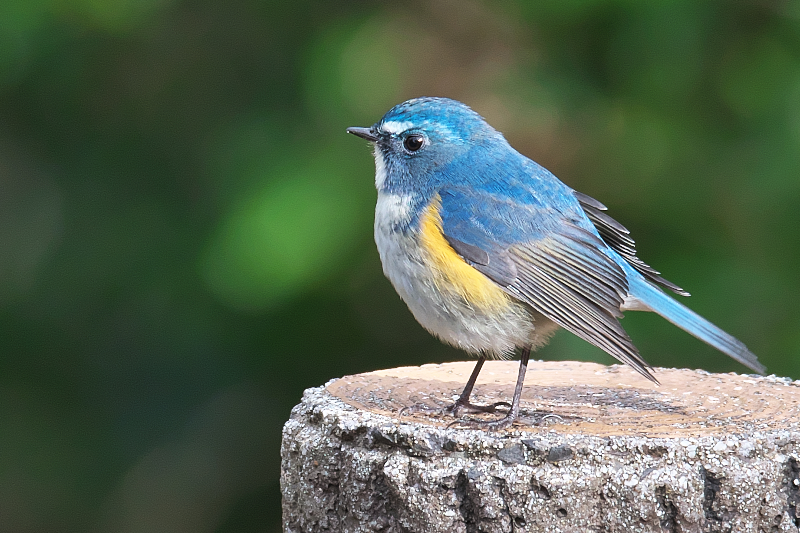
x=492 y=253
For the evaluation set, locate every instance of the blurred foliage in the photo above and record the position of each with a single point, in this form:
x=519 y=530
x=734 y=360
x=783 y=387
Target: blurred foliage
x=185 y=228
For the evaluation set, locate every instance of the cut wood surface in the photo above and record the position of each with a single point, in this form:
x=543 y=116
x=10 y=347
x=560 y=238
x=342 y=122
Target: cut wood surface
x=571 y=397
x=595 y=449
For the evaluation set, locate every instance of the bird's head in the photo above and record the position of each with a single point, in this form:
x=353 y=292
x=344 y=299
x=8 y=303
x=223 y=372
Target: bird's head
x=417 y=143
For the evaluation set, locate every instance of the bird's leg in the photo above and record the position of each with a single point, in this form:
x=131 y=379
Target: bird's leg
x=463 y=400
x=513 y=411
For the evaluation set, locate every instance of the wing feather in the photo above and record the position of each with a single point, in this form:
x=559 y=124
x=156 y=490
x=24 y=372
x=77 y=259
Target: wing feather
x=618 y=238
x=550 y=259
x=553 y=279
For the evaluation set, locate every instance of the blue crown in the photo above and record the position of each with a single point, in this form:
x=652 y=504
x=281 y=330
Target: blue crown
x=449 y=118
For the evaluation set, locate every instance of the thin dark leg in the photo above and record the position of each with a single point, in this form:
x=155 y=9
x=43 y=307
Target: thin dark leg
x=513 y=412
x=467 y=392
x=523 y=368
x=463 y=400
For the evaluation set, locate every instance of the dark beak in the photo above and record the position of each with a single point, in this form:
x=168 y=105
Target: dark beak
x=364 y=133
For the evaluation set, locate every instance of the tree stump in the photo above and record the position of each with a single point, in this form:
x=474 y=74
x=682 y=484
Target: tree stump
x=596 y=449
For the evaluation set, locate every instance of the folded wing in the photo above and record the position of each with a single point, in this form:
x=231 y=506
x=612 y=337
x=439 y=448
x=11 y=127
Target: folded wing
x=618 y=238
x=545 y=258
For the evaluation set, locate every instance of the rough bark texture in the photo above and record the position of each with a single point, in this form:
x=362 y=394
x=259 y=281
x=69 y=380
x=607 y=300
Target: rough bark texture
x=597 y=449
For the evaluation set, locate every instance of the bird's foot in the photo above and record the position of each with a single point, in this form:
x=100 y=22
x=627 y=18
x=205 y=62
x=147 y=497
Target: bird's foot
x=455 y=409
x=458 y=407
x=486 y=425
x=526 y=418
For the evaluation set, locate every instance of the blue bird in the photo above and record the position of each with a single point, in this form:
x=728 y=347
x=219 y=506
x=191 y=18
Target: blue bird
x=491 y=252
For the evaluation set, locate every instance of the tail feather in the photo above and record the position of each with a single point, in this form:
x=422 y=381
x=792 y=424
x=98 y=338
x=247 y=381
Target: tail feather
x=686 y=319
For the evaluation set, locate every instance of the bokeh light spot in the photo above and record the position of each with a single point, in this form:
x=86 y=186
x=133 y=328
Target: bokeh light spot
x=284 y=238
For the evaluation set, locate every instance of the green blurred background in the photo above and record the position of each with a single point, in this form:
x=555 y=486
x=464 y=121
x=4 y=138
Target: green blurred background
x=186 y=229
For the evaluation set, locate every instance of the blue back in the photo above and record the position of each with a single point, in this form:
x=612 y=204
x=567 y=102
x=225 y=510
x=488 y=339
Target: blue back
x=546 y=245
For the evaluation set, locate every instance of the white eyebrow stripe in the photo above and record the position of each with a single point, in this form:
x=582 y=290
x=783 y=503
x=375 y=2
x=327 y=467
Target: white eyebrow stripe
x=395 y=126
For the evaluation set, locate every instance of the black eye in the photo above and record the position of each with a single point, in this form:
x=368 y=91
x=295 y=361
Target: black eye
x=413 y=142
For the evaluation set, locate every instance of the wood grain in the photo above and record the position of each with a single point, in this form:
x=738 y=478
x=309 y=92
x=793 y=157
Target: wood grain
x=586 y=398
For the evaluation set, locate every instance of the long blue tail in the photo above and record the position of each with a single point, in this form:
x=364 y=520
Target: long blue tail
x=691 y=322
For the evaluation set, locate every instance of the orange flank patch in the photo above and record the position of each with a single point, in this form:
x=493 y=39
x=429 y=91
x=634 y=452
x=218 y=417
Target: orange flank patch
x=452 y=273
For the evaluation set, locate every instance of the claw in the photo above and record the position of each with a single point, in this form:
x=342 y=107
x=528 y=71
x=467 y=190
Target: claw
x=464 y=403
x=453 y=409
x=457 y=407
x=491 y=425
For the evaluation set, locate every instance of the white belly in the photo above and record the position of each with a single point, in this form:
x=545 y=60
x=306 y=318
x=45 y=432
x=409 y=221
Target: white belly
x=493 y=332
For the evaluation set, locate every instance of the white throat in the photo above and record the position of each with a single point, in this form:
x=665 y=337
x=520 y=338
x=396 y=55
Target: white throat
x=380 y=169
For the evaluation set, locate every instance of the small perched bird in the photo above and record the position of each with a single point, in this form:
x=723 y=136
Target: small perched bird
x=491 y=252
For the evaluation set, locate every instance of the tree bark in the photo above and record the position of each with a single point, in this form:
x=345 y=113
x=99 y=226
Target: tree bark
x=595 y=449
